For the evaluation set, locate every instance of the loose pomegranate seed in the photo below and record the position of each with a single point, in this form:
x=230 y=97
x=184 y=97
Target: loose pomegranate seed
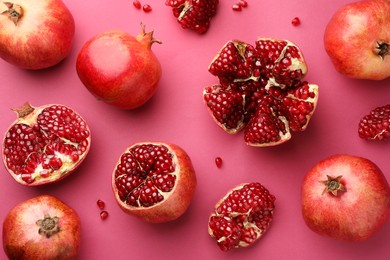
x=236 y=7
x=218 y=162
x=100 y=204
x=137 y=4
x=243 y=3
x=147 y=8
x=296 y=21
x=103 y=215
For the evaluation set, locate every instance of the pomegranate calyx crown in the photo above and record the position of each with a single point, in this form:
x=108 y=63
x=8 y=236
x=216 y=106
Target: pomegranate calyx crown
x=14 y=12
x=146 y=38
x=24 y=110
x=333 y=185
x=382 y=49
x=48 y=226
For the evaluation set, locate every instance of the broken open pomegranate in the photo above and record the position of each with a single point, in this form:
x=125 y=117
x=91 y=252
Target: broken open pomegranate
x=261 y=90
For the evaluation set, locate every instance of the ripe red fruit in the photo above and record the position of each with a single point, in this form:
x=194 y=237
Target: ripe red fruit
x=154 y=181
x=194 y=14
x=45 y=144
x=242 y=216
x=35 y=34
x=345 y=197
x=376 y=125
x=261 y=91
x=357 y=39
x=41 y=228
x=120 y=69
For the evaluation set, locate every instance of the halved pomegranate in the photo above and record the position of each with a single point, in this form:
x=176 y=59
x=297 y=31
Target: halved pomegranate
x=45 y=144
x=154 y=181
x=242 y=216
x=261 y=90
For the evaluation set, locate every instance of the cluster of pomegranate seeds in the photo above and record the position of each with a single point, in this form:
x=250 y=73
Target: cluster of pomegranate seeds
x=376 y=125
x=144 y=174
x=194 y=14
x=45 y=142
x=296 y=21
x=261 y=90
x=242 y=216
x=146 y=7
x=239 y=5
x=218 y=162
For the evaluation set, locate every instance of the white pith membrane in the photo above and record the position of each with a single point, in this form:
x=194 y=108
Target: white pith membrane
x=134 y=186
x=249 y=231
x=46 y=156
x=261 y=76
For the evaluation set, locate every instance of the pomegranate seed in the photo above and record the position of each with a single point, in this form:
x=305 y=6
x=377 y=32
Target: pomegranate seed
x=296 y=21
x=147 y=8
x=137 y=4
x=100 y=204
x=103 y=215
x=236 y=7
x=218 y=162
x=243 y=3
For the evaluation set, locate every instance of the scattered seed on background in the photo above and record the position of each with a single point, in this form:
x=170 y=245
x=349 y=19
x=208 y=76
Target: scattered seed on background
x=218 y=162
x=147 y=8
x=103 y=215
x=236 y=7
x=137 y=4
x=295 y=21
x=100 y=204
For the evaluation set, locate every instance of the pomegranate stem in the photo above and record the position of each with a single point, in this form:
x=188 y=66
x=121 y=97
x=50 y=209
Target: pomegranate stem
x=14 y=12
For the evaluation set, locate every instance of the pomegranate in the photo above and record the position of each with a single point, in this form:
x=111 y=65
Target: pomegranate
x=242 y=216
x=154 y=181
x=357 y=39
x=345 y=197
x=45 y=144
x=376 y=125
x=35 y=34
x=43 y=227
x=194 y=14
x=261 y=91
x=120 y=69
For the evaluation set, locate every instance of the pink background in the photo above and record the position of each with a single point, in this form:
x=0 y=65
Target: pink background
x=177 y=114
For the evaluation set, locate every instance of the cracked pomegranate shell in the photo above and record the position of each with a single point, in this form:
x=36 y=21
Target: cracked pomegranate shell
x=154 y=181
x=242 y=216
x=261 y=91
x=45 y=144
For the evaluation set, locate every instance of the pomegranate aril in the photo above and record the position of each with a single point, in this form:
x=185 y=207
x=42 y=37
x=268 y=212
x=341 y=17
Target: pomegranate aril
x=237 y=7
x=137 y=4
x=147 y=8
x=100 y=204
x=296 y=21
x=243 y=3
x=218 y=162
x=103 y=215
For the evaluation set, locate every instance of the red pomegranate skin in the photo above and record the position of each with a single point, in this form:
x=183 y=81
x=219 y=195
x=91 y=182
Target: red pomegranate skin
x=21 y=239
x=42 y=37
x=120 y=69
x=354 y=215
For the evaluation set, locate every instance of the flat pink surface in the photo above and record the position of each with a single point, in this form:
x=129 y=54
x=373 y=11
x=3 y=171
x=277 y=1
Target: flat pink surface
x=177 y=114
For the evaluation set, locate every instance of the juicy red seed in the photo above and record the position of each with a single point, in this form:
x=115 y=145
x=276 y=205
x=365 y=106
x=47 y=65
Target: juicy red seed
x=137 y=4
x=296 y=21
x=55 y=163
x=243 y=3
x=218 y=162
x=100 y=204
x=147 y=8
x=103 y=215
x=237 y=7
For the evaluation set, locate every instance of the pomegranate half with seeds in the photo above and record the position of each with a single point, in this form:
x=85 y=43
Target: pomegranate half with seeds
x=154 y=181
x=261 y=90
x=242 y=216
x=45 y=144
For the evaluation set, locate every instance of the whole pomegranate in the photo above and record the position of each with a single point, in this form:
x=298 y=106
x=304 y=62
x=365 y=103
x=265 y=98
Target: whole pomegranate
x=44 y=228
x=35 y=34
x=45 y=144
x=261 y=91
x=120 y=69
x=242 y=216
x=154 y=181
x=345 y=197
x=357 y=39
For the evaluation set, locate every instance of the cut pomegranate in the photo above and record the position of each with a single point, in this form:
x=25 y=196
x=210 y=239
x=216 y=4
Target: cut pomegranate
x=376 y=125
x=103 y=215
x=45 y=144
x=100 y=204
x=218 y=162
x=242 y=216
x=261 y=90
x=154 y=181
x=194 y=14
